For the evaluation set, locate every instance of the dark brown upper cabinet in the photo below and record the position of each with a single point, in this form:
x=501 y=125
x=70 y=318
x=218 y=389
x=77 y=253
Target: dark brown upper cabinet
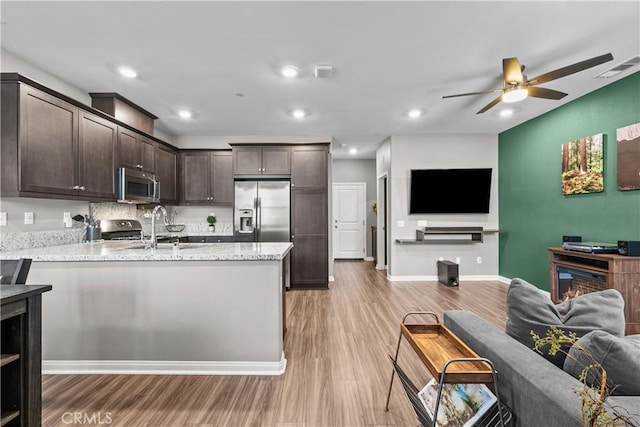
x=96 y=156
x=52 y=148
x=206 y=177
x=264 y=160
x=309 y=166
x=166 y=173
x=135 y=151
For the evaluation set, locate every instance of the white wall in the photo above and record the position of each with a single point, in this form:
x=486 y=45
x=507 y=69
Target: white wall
x=10 y=63
x=383 y=165
x=48 y=213
x=360 y=171
x=440 y=152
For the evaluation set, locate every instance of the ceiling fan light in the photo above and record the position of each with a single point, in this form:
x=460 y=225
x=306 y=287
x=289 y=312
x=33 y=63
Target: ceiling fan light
x=515 y=95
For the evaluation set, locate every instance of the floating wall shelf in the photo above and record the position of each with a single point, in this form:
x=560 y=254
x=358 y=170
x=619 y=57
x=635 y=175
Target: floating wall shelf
x=475 y=235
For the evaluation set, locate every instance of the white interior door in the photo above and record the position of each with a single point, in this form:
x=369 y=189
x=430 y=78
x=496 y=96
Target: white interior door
x=349 y=220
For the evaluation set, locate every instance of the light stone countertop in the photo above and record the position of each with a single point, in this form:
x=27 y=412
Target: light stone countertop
x=134 y=251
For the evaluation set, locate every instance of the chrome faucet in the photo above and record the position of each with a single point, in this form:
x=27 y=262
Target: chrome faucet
x=154 y=238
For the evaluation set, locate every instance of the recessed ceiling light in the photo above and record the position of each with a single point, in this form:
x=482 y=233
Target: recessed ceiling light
x=185 y=114
x=506 y=113
x=127 y=72
x=414 y=114
x=353 y=151
x=289 y=71
x=298 y=114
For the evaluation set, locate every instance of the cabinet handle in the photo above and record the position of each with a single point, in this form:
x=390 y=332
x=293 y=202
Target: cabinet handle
x=75 y=187
x=293 y=185
x=81 y=188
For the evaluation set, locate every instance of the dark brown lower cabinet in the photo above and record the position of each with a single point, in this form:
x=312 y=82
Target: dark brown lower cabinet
x=309 y=234
x=21 y=361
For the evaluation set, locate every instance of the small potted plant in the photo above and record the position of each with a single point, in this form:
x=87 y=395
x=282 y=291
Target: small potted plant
x=211 y=219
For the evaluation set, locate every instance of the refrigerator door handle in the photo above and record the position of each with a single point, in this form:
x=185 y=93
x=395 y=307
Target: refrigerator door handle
x=259 y=217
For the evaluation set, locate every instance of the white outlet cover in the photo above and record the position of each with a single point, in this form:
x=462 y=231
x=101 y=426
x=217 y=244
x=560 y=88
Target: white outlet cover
x=28 y=218
x=400 y=224
x=422 y=223
x=479 y=260
x=3 y=218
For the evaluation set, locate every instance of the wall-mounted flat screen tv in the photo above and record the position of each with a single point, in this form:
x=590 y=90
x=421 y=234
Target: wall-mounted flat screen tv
x=450 y=191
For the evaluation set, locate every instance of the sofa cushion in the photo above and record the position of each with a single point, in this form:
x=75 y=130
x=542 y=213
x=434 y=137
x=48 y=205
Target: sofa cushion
x=529 y=309
x=619 y=356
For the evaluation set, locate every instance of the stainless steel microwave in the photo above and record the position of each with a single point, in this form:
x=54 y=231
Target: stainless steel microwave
x=137 y=187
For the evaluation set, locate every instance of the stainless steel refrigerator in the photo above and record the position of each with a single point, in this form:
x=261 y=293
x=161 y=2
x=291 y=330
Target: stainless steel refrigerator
x=261 y=211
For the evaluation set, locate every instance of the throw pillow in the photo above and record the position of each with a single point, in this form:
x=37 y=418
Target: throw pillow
x=619 y=356
x=528 y=309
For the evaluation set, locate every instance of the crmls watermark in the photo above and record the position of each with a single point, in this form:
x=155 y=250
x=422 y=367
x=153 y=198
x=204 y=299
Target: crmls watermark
x=86 y=418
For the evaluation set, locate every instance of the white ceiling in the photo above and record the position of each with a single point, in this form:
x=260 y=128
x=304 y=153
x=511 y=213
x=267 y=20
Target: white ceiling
x=389 y=57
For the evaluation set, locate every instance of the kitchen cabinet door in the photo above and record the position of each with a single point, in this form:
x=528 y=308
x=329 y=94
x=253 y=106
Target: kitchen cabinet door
x=96 y=157
x=309 y=166
x=195 y=178
x=147 y=151
x=48 y=142
x=222 y=178
x=128 y=149
x=247 y=160
x=309 y=234
x=276 y=160
x=135 y=151
x=166 y=161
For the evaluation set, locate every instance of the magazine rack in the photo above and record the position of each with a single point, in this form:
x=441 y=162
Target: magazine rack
x=449 y=360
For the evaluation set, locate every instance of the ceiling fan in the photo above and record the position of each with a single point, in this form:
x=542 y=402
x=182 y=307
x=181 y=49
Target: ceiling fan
x=517 y=86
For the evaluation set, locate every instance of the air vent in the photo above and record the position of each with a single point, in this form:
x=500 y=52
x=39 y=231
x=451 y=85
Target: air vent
x=612 y=72
x=324 y=71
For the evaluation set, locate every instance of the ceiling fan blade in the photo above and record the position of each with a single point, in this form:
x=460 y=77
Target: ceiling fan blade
x=571 y=69
x=490 y=105
x=471 y=93
x=540 y=92
x=512 y=71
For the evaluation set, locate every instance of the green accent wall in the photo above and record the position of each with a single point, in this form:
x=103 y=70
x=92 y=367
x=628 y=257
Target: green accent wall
x=534 y=214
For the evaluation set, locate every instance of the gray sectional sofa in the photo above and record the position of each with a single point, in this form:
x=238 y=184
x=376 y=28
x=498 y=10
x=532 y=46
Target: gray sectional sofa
x=537 y=392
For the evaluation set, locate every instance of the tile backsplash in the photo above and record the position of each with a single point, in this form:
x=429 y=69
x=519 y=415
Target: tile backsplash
x=48 y=228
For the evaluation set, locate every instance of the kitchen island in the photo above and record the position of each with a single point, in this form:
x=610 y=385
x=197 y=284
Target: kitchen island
x=198 y=309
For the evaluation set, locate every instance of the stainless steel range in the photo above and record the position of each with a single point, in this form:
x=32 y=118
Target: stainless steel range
x=121 y=229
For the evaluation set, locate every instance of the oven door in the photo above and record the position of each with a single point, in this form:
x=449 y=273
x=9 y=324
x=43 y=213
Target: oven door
x=137 y=187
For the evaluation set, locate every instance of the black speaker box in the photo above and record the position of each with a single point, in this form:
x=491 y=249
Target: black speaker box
x=629 y=247
x=448 y=273
x=571 y=239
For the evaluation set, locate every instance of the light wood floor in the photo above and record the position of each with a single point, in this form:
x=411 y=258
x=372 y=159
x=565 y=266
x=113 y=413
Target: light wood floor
x=338 y=371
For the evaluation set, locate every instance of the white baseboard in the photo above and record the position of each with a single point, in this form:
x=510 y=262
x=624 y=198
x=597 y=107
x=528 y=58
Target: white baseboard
x=368 y=258
x=479 y=278
x=381 y=267
x=504 y=280
x=152 y=367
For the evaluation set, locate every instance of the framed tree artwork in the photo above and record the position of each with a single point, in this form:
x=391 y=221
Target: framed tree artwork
x=582 y=165
x=629 y=157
